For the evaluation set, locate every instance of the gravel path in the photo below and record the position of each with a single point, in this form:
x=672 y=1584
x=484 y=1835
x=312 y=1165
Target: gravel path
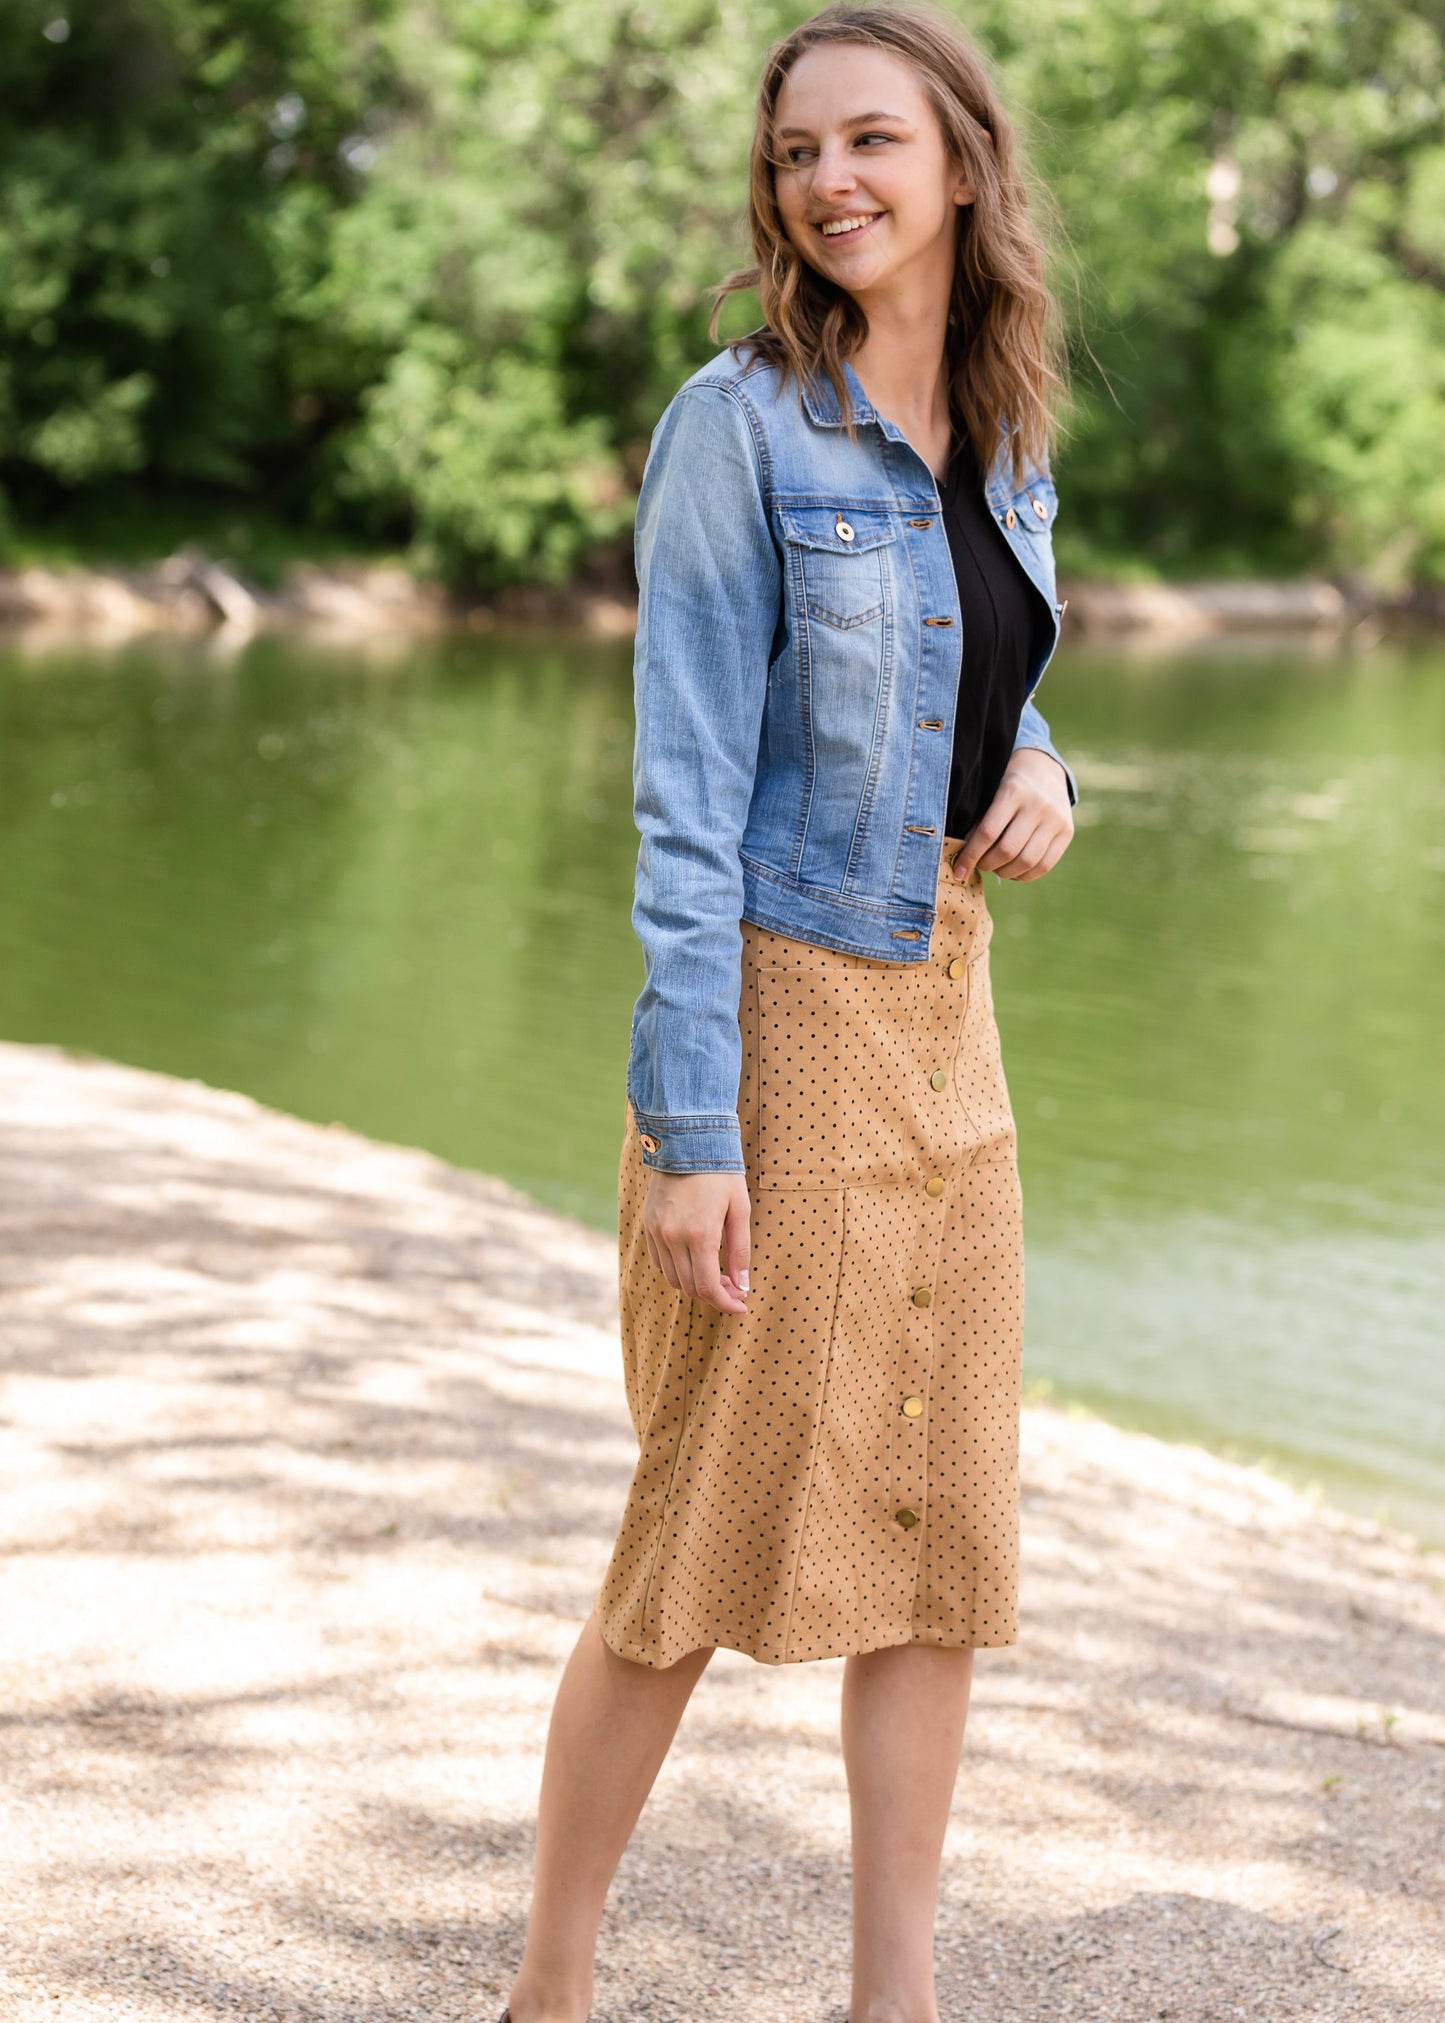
x=313 y=1450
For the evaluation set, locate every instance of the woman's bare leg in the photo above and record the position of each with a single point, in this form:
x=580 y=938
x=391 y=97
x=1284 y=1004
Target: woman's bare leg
x=904 y=1710
x=612 y=1724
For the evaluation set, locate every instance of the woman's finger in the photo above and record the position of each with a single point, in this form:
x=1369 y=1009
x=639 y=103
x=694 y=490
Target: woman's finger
x=982 y=837
x=667 y=1265
x=1010 y=844
x=1031 y=859
x=737 y=1242
x=1052 y=855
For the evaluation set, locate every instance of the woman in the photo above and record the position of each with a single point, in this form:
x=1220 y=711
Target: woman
x=847 y=597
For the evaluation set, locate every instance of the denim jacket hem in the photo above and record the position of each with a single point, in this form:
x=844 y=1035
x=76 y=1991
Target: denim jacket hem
x=773 y=902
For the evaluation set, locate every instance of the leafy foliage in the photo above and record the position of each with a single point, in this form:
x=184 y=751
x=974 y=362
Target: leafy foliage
x=427 y=270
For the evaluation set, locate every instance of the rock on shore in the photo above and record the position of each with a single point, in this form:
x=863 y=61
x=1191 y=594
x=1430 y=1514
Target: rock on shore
x=313 y=1451
x=193 y=592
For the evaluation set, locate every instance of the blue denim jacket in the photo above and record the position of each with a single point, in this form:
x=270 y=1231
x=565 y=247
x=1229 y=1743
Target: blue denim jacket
x=797 y=660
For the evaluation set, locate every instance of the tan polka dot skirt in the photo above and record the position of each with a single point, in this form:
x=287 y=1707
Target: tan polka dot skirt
x=837 y=1469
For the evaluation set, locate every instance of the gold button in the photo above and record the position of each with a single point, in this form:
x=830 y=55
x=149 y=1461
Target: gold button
x=920 y=523
x=1041 y=509
x=843 y=530
x=923 y=1296
x=1010 y=518
x=913 y=1407
x=649 y=1144
x=907 y=1518
x=938 y=1079
x=957 y=967
x=935 y=1186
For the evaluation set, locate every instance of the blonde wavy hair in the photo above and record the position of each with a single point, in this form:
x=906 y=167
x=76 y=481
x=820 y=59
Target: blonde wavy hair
x=1005 y=350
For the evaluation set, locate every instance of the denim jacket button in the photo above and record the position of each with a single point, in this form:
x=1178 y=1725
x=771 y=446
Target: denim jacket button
x=649 y=1143
x=843 y=530
x=1010 y=518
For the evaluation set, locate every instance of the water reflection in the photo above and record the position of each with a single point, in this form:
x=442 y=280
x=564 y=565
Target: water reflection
x=396 y=892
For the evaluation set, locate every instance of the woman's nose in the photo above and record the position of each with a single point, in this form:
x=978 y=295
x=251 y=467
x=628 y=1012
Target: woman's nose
x=833 y=175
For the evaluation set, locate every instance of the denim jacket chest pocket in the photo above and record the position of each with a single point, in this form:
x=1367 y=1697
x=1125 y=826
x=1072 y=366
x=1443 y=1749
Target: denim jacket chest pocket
x=839 y=562
x=1036 y=505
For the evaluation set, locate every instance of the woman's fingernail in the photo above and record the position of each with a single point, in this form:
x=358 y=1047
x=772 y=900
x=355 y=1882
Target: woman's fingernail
x=743 y=1281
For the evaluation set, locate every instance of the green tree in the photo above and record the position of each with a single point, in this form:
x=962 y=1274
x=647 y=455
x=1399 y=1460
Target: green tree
x=429 y=272
x=1255 y=198
x=159 y=157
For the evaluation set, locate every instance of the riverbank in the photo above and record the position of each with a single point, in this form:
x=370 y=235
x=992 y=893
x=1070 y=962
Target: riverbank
x=193 y=592
x=315 y=1447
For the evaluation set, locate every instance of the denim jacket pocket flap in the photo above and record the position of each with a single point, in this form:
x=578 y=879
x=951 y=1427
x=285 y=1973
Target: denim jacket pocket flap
x=837 y=530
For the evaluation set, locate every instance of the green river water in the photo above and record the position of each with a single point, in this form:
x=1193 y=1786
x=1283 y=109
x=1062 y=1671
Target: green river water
x=395 y=892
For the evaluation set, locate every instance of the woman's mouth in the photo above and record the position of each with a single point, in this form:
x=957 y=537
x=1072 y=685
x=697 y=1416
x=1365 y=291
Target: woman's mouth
x=848 y=228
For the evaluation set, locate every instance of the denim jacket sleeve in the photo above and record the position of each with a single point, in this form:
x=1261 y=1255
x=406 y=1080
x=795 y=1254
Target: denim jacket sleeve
x=709 y=587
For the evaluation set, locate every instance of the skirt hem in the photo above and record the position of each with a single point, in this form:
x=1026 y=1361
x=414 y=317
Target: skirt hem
x=656 y=1656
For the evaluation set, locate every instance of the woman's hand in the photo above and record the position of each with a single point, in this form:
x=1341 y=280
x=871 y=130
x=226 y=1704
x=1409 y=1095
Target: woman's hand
x=1028 y=824
x=687 y=1219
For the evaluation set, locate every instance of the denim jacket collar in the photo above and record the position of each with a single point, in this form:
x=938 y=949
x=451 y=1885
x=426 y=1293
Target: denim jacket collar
x=820 y=404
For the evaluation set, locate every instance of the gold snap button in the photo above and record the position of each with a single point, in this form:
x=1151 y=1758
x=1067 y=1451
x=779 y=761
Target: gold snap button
x=935 y=1185
x=957 y=968
x=923 y=1296
x=913 y=1407
x=1010 y=518
x=907 y=1518
x=649 y=1143
x=938 y=1079
x=1041 y=509
x=843 y=530
x=920 y=523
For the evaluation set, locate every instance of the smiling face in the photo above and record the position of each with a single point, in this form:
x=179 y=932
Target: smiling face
x=867 y=192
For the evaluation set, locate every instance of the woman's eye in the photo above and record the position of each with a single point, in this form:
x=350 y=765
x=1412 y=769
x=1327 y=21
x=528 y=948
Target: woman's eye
x=797 y=155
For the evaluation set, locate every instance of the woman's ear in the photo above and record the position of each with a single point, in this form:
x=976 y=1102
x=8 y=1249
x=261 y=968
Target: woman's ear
x=964 y=190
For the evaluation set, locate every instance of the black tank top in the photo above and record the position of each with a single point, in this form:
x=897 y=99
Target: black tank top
x=1006 y=631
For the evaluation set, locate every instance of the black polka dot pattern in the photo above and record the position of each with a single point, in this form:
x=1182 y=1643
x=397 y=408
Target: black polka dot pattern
x=837 y=1469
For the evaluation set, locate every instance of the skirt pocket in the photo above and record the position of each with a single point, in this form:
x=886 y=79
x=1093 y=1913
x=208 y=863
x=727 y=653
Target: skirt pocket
x=836 y=1106
x=978 y=1079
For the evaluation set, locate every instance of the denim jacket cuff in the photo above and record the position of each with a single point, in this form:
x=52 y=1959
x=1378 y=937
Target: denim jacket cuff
x=1028 y=741
x=690 y=1144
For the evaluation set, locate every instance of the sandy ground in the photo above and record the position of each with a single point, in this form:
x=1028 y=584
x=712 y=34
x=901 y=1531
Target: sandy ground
x=312 y=1452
